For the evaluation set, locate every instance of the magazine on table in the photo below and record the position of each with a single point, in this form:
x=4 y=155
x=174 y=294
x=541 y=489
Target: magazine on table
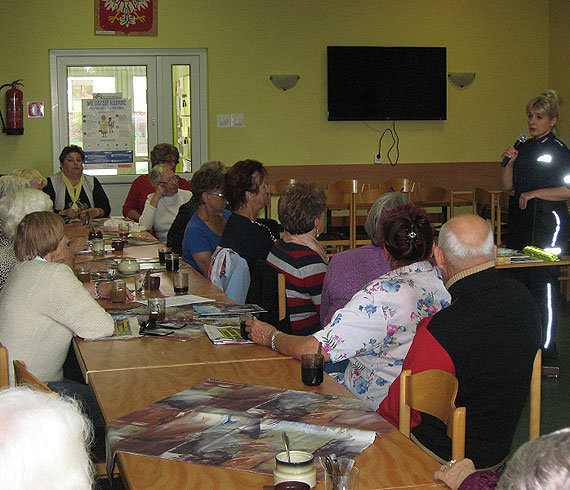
x=225 y=331
x=227 y=309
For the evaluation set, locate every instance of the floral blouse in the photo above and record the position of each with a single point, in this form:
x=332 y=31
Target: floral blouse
x=376 y=328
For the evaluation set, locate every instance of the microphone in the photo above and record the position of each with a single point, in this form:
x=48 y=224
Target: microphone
x=520 y=140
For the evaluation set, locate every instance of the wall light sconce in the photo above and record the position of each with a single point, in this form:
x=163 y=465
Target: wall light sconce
x=284 y=82
x=461 y=79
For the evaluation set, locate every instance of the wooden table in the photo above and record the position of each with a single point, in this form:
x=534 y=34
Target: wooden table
x=392 y=461
x=543 y=263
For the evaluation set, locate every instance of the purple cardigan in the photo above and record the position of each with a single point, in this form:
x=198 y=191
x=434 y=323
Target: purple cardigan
x=480 y=480
x=349 y=272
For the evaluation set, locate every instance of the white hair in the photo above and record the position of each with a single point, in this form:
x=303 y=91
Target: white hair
x=15 y=206
x=36 y=180
x=386 y=202
x=44 y=442
x=455 y=250
x=12 y=183
x=156 y=173
x=540 y=464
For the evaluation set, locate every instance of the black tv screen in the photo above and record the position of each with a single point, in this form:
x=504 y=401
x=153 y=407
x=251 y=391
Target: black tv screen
x=386 y=83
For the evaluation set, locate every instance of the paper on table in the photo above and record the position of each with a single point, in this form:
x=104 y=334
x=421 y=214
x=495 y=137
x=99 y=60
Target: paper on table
x=184 y=299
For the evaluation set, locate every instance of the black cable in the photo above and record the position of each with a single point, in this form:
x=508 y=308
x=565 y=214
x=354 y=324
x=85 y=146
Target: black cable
x=396 y=143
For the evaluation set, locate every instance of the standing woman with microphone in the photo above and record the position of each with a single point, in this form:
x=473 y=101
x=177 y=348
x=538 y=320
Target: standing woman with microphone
x=539 y=173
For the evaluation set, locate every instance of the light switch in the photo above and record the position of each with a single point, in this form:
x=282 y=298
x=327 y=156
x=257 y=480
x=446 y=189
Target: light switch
x=223 y=120
x=238 y=121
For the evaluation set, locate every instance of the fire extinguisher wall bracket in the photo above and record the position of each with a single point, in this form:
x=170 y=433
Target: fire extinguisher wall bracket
x=14 y=124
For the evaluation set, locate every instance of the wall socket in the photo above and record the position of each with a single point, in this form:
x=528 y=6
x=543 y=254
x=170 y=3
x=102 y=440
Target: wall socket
x=378 y=158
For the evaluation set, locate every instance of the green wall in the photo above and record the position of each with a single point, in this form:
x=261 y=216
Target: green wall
x=506 y=42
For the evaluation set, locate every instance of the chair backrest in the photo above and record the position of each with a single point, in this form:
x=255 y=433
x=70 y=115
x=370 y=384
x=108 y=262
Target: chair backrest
x=277 y=188
x=230 y=272
x=24 y=377
x=267 y=289
x=433 y=392
x=535 y=393
x=349 y=186
x=369 y=196
x=402 y=185
x=4 y=369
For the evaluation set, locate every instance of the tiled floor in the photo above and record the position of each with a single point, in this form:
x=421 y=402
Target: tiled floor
x=555 y=412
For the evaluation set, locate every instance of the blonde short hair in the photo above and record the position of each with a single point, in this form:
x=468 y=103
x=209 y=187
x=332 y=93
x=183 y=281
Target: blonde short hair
x=35 y=179
x=38 y=234
x=546 y=104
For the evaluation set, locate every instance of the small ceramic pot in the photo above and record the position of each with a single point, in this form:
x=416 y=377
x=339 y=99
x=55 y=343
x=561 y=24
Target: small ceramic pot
x=301 y=468
x=128 y=266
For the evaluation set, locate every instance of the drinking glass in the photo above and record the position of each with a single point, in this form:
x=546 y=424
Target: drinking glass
x=118 y=291
x=157 y=309
x=180 y=283
x=98 y=246
x=312 y=369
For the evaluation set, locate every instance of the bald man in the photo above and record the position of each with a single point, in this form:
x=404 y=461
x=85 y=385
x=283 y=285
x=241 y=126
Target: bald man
x=487 y=338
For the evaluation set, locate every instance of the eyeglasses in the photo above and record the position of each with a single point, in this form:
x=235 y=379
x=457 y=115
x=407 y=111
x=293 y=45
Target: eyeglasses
x=219 y=194
x=171 y=180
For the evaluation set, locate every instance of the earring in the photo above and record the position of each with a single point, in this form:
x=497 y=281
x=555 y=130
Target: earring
x=318 y=231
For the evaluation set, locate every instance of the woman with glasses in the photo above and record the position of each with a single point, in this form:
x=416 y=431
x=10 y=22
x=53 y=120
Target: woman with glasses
x=162 y=205
x=205 y=228
x=163 y=153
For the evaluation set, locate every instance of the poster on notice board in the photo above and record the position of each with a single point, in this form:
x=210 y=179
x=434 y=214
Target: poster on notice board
x=107 y=131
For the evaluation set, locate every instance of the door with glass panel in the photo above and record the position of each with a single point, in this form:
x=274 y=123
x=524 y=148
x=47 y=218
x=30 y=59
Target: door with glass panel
x=118 y=107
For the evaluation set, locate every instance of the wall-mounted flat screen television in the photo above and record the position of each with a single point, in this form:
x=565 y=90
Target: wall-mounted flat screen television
x=386 y=83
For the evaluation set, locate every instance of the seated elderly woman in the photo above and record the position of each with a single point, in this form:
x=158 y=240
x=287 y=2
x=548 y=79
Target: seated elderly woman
x=73 y=192
x=12 y=183
x=44 y=442
x=376 y=328
x=205 y=228
x=13 y=208
x=162 y=205
x=247 y=193
x=36 y=180
x=351 y=270
x=38 y=320
x=161 y=154
x=540 y=464
x=299 y=256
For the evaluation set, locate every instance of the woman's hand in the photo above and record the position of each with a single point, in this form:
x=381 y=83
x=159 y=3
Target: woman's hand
x=525 y=197
x=511 y=154
x=105 y=291
x=92 y=212
x=454 y=475
x=70 y=213
x=159 y=191
x=260 y=332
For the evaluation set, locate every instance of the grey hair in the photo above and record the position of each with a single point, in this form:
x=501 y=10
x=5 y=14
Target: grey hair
x=12 y=183
x=156 y=173
x=15 y=206
x=540 y=464
x=455 y=250
x=383 y=204
x=43 y=442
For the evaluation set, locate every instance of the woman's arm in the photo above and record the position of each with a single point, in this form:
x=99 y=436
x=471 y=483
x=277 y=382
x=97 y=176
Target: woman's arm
x=100 y=201
x=506 y=181
x=202 y=260
x=290 y=345
x=146 y=219
x=547 y=194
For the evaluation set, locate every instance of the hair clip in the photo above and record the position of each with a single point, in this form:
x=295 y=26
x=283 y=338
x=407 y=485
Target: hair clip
x=410 y=235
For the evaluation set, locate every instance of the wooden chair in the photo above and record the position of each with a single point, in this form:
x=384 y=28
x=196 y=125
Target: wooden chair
x=535 y=395
x=433 y=197
x=433 y=392
x=351 y=188
x=364 y=201
x=484 y=206
x=4 y=370
x=262 y=292
x=334 y=241
x=23 y=377
x=276 y=190
x=402 y=185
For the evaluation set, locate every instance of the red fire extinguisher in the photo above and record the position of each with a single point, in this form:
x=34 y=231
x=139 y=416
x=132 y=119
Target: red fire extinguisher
x=14 y=123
